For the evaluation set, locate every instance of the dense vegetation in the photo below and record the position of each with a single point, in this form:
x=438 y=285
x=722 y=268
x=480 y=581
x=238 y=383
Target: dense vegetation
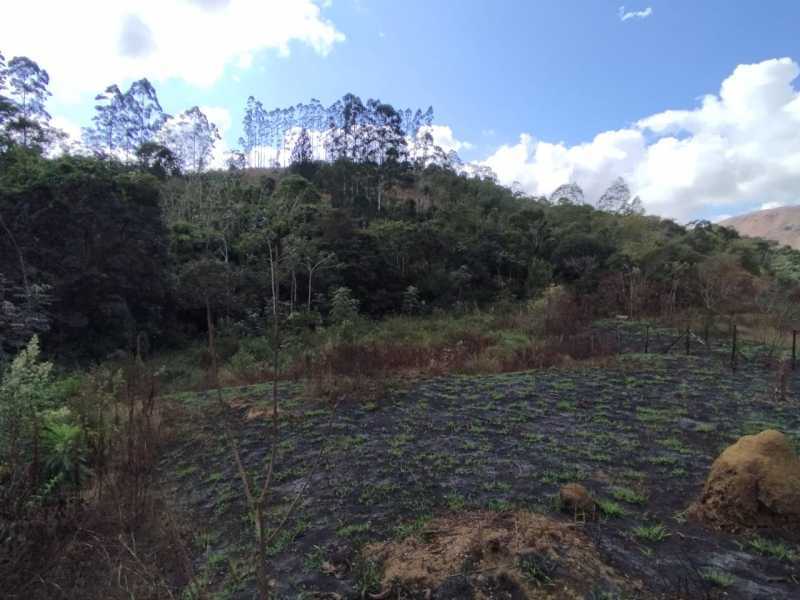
x=137 y=238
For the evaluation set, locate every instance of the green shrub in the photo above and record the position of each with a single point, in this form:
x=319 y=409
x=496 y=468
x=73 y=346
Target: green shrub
x=64 y=445
x=25 y=391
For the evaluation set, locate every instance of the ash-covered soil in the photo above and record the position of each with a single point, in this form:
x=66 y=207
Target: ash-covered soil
x=640 y=434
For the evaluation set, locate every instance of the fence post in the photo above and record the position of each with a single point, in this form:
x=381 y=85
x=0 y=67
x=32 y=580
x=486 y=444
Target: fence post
x=646 y=338
x=794 y=349
x=733 y=347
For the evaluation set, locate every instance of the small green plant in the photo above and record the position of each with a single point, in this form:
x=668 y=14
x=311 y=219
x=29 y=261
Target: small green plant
x=455 y=501
x=651 y=533
x=611 y=509
x=718 y=578
x=415 y=527
x=628 y=495
x=65 y=454
x=353 y=529
x=772 y=548
x=498 y=505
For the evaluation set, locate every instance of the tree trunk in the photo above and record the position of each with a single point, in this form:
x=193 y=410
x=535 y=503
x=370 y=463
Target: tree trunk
x=310 y=275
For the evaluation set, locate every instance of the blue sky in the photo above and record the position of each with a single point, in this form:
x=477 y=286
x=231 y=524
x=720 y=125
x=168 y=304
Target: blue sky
x=525 y=86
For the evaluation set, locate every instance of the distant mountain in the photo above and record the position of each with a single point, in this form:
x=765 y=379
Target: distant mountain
x=779 y=224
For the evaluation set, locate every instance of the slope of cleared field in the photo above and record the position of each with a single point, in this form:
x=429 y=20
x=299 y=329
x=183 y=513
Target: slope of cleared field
x=413 y=471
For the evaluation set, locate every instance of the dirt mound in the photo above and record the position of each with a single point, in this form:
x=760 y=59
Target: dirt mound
x=754 y=483
x=490 y=555
x=576 y=500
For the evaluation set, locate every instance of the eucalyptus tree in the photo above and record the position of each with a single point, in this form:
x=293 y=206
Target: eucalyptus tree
x=28 y=83
x=303 y=151
x=142 y=115
x=569 y=193
x=108 y=131
x=191 y=137
x=125 y=121
x=6 y=106
x=617 y=199
x=362 y=132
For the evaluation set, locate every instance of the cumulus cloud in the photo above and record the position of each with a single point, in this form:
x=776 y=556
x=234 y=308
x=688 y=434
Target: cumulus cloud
x=634 y=14
x=770 y=205
x=444 y=138
x=136 y=39
x=738 y=147
x=106 y=42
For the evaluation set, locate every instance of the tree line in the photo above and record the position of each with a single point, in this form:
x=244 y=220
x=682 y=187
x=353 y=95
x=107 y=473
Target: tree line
x=139 y=239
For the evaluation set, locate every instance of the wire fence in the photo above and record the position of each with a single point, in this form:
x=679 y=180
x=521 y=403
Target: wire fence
x=725 y=347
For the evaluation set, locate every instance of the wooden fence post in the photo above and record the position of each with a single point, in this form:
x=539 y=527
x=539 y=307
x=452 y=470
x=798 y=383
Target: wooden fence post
x=646 y=338
x=794 y=349
x=733 y=347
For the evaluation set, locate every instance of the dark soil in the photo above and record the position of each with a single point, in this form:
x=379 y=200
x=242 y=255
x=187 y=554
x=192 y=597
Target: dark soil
x=641 y=433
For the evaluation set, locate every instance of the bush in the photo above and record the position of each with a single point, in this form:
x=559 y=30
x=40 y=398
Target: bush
x=25 y=392
x=343 y=306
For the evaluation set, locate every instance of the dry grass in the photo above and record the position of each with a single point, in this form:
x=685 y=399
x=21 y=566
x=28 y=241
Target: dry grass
x=116 y=537
x=529 y=555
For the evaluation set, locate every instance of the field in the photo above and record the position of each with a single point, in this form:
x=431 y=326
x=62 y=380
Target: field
x=639 y=431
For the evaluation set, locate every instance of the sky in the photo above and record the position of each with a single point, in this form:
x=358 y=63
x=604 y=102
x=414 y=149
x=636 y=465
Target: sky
x=695 y=104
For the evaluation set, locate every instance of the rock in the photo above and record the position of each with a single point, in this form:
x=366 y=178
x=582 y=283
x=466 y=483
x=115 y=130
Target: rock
x=576 y=499
x=754 y=483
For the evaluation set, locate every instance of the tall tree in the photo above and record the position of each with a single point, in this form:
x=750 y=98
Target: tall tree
x=108 y=131
x=570 y=193
x=29 y=94
x=142 y=115
x=617 y=199
x=302 y=152
x=6 y=106
x=191 y=137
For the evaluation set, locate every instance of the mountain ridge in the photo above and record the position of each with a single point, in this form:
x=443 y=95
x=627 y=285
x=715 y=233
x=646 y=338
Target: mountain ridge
x=779 y=224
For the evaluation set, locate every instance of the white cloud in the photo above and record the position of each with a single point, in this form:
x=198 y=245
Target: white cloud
x=736 y=148
x=87 y=47
x=67 y=126
x=444 y=138
x=634 y=14
x=720 y=218
x=770 y=205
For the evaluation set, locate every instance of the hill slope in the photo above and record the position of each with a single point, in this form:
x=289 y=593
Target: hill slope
x=779 y=224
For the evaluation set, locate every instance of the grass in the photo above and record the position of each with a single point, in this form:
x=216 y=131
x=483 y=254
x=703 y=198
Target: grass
x=353 y=529
x=611 y=509
x=415 y=527
x=651 y=533
x=772 y=548
x=628 y=495
x=718 y=578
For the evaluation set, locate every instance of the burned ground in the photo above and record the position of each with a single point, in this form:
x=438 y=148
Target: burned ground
x=640 y=434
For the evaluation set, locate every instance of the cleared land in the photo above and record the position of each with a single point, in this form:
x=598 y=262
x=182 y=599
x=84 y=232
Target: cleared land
x=640 y=434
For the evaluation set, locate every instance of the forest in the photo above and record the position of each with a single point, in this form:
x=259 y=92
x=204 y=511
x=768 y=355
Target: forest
x=330 y=234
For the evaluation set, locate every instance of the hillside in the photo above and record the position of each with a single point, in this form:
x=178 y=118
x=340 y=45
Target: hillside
x=779 y=224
